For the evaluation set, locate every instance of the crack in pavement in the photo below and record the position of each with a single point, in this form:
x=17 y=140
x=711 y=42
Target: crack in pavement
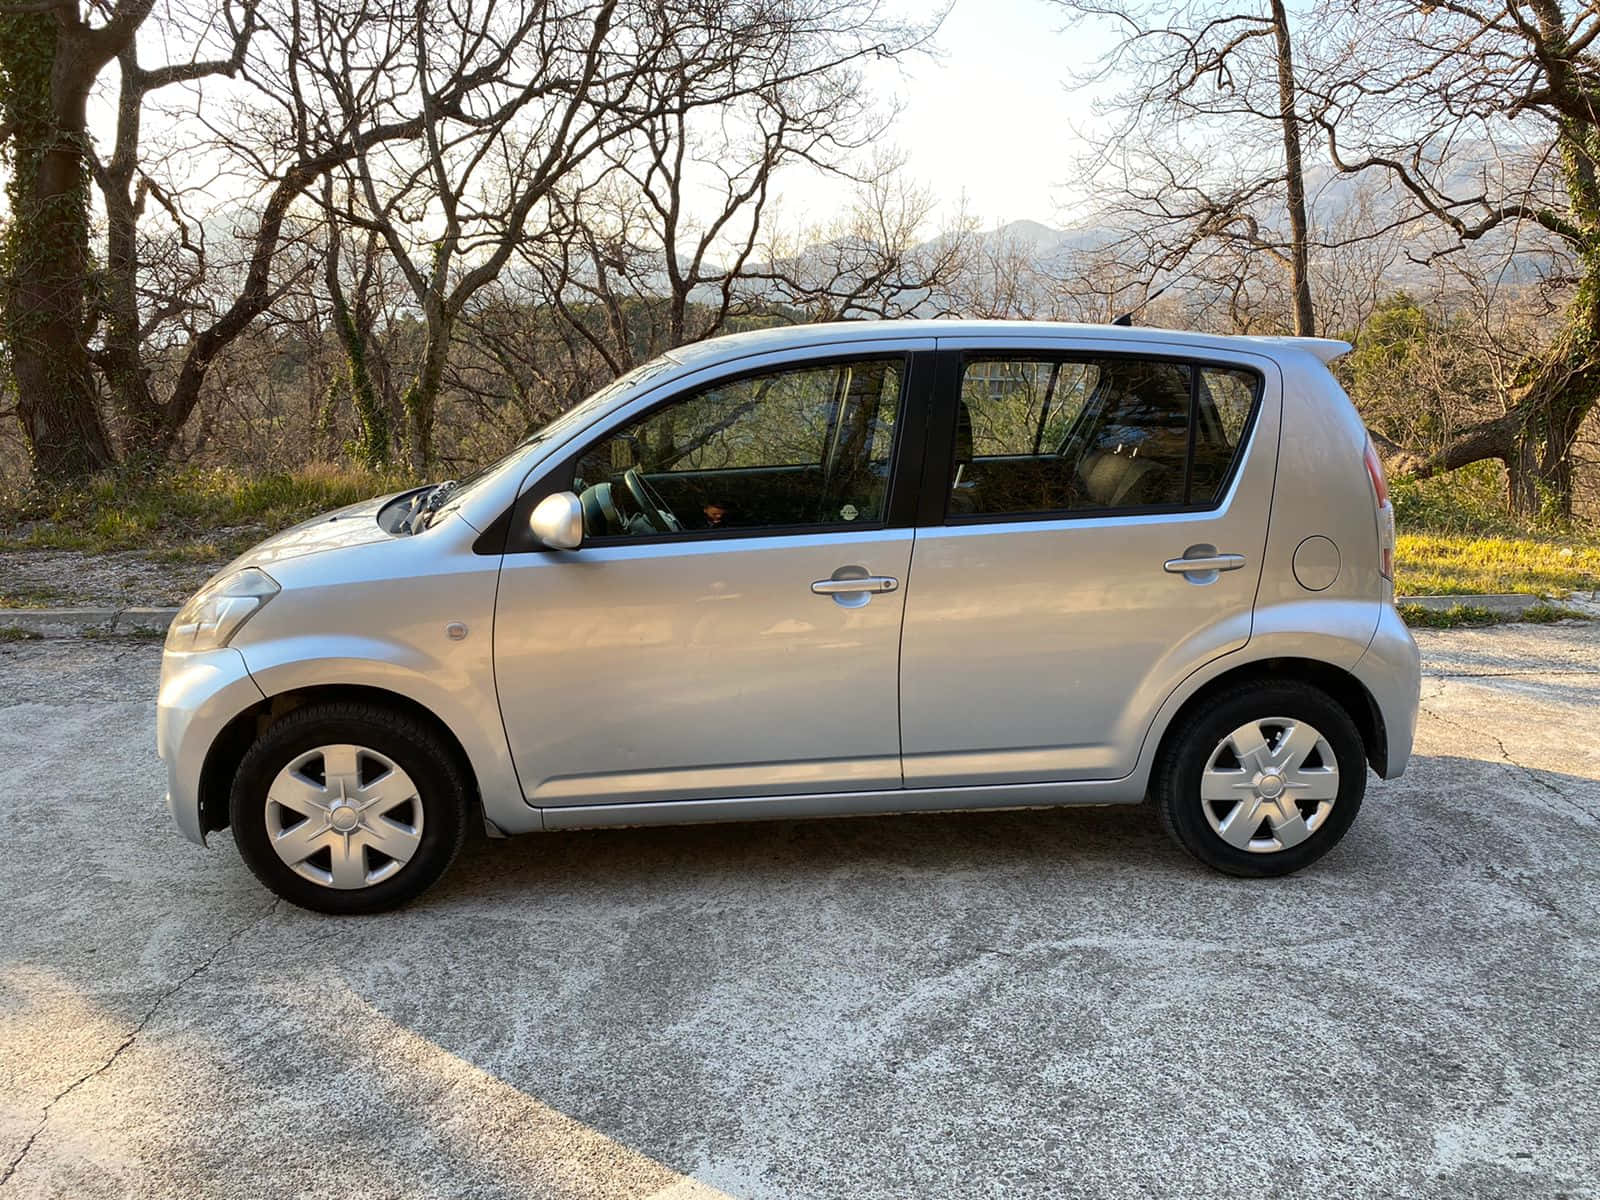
x=1505 y=674
x=149 y=1015
x=1530 y=773
x=1520 y=883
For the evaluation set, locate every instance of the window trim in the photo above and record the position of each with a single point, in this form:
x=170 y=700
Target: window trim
x=935 y=509
x=915 y=368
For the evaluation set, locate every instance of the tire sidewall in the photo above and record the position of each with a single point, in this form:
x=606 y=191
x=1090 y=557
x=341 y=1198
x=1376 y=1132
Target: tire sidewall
x=1187 y=763
x=401 y=741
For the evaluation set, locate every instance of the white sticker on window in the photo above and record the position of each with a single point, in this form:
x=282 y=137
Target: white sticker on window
x=849 y=512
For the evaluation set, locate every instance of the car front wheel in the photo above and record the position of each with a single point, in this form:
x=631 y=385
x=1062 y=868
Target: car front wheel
x=1262 y=780
x=348 y=808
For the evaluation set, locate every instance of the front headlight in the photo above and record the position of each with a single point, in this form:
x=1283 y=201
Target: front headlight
x=214 y=613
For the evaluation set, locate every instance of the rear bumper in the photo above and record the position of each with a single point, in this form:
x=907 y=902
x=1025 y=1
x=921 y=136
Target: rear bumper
x=200 y=694
x=1391 y=671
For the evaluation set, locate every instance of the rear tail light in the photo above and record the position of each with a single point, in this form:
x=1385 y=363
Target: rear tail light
x=1385 y=511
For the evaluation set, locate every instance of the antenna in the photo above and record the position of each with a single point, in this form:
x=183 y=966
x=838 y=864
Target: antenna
x=1127 y=317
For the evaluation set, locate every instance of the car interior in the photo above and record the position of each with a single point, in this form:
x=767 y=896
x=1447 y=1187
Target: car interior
x=797 y=448
x=1125 y=443
x=811 y=446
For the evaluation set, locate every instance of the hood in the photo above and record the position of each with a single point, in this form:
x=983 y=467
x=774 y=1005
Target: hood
x=353 y=525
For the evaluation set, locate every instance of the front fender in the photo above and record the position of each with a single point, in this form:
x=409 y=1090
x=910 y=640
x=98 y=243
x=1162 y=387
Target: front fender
x=201 y=693
x=452 y=680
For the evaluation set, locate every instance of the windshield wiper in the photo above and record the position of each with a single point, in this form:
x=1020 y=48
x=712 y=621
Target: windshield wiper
x=430 y=499
x=423 y=505
x=431 y=503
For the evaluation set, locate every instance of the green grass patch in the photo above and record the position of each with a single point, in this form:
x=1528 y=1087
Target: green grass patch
x=9 y=634
x=1458 y=616
x=1464 y=616
x=182 y=516
x=31 y=597
x=1458 y=564
x=1469 y=501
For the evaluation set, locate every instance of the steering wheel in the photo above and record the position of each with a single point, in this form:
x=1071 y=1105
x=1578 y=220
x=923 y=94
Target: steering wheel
x=655 y=509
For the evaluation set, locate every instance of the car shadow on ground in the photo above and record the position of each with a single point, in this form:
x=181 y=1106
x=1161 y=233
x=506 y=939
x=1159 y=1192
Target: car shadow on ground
x=1430 y=811
x=1124 y=835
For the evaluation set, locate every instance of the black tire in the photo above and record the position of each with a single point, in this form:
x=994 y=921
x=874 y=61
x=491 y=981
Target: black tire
x=1188 y=749
x=441 y=790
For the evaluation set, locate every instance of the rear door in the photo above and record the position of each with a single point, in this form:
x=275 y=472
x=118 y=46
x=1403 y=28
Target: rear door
x=1067 y=484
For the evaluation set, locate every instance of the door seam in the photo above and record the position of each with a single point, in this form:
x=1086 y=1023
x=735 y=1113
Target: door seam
x=900 y=662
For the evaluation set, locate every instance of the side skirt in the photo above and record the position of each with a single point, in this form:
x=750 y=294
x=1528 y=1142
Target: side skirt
x=839 y=804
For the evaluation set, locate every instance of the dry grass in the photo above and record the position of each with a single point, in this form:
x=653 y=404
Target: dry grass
x=194 y=515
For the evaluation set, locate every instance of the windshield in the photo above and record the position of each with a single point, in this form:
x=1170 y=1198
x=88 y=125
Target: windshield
x=576 y=415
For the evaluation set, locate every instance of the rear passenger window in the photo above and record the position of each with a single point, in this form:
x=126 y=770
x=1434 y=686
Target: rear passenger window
x=1098 y=434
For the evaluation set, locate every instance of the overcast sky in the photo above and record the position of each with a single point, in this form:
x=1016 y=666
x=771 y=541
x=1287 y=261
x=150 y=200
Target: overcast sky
x=989 y=117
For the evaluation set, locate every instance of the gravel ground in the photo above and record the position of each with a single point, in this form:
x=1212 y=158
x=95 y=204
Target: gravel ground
x=118 y=579
x=1008 y=1004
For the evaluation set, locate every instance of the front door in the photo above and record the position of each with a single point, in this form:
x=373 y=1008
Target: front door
x=731 y=625
x=1051 y=614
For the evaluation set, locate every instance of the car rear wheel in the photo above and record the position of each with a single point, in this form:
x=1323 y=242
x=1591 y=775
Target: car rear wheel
x=1263 y=779
x=348 y=808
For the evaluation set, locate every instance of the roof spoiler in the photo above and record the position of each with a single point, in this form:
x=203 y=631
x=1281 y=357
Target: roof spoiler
x=1325 y=350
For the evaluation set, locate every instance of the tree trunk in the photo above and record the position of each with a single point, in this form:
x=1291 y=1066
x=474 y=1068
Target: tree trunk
x=1555 y=459
x=120 y=358
x=1522 y=490
x=1534 y=438
x=422 y=397
x=372 y=445
x=45 y=255
x=1305 y=324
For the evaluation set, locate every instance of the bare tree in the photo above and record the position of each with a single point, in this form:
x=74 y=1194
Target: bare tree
x=158 y=287
x=562 y=86
x=1204 y=165
x=126 y=187
x=875 y=261
x=364 y=373
x=660 y=244
x=1482 y=115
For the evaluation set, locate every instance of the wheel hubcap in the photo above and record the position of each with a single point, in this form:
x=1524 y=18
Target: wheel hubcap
x=344 y=816
x=1269 y=785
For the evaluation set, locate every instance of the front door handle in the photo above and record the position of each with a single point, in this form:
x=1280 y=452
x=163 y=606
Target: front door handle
x=843 y=587
x=1211 y=562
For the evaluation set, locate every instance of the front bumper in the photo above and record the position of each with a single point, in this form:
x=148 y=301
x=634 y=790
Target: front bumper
x=200 y=694
x=1391 y=671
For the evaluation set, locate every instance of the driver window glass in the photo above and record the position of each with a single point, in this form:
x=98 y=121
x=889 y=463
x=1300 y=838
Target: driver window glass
x=805 y=446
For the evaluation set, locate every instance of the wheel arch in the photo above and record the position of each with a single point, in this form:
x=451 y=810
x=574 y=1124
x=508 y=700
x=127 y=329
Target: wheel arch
x=1343 y=688
x=229 y=746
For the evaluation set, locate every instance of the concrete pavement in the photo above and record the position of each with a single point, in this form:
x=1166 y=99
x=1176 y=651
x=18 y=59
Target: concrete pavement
x=1010 y=1004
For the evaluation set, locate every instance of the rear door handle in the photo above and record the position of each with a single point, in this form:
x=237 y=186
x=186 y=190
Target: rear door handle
x=868 y=583
x=1212 y=562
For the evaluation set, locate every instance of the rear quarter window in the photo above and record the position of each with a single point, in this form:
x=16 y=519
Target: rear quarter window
x=1225 y=397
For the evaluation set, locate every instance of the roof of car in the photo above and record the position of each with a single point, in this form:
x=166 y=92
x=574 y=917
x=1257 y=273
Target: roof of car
x=786 y=337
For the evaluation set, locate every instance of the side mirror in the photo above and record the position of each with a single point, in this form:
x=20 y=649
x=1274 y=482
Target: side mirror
x=557 y=521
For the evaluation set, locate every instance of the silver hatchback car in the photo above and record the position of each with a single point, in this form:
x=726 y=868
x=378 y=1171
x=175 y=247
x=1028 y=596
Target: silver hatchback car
x=824 y=570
